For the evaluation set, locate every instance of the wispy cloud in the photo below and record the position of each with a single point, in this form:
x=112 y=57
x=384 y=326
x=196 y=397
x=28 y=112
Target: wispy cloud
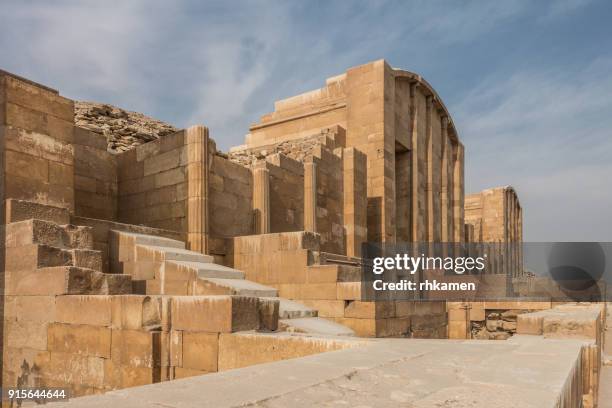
x=549 y=133
x=525 y=120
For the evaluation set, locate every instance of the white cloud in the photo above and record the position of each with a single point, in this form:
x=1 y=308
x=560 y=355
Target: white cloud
x=550 y=135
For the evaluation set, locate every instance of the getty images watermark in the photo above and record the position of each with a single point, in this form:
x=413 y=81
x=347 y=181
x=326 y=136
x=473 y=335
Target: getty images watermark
x=560 y=271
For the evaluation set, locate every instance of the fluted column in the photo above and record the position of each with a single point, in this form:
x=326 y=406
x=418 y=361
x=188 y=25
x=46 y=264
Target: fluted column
x=261 y=200
x=310 y=196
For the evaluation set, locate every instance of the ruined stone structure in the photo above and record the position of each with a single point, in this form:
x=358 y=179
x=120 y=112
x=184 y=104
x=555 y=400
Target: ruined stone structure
x=133 y=263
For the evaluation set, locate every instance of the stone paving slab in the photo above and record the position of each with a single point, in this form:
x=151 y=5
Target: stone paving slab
x=529 y=372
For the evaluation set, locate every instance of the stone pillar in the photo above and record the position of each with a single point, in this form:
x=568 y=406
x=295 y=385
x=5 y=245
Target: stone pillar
x=196 y=140
x=261 y=200
x=458 y=193
x=416 y=154
x=310 y=196
x=355 y=168
x=429 y=189
x=446 y=185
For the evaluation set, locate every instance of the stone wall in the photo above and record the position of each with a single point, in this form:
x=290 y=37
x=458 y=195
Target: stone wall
x=123 y=130
x=231 y=198
x=153 y=184
x=36 y=143
x=495 y=216
x=286 y=193
x=95 y=176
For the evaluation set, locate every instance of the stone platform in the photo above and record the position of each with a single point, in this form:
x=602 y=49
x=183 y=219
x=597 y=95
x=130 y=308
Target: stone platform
x=526 y=371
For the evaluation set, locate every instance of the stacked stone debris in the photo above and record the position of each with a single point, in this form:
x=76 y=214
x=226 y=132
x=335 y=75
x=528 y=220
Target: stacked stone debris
x=498 y=325
x=123 y=129
x=296 y=149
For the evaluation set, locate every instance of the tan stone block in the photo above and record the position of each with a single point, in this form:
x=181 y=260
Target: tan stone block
x=135 y=348
x=162 y=162
x=54 y=281
x=45 y=146
x=215 y=314
x=200 y=351
x=326 y=308
x=142 y=270
x=457 y=330
x=170 y=177
x=241 y=350
x=26 y=334
x=268 y=314
x=71 y=368
x=25 y=165
x=30 y=308
x=95 y=310
x=39 y=98
x=135 y=311
x=17 y=210
x=349 y=290
x=361 y=327
x=393 y=327
x=369 y=310
x=80 y=339
x=180 y=372
x=326 y=291
x=477 y=314
x=120 y=376
x=458 y=315
x=323 y=273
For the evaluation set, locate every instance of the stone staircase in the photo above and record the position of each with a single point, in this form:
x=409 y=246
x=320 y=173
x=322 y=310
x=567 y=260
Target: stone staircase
x=43 y=257
x=160 y=265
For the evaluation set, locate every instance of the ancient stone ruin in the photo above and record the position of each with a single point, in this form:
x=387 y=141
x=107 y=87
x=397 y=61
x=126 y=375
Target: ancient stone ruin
x=135 y=253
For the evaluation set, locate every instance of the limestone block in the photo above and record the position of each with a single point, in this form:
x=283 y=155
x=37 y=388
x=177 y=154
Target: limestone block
x=30 y=308
x=25 y=334
x=70 y=369
x=326 y=308
x=361 y=327
x=370 y=310
x=121 y=376
x=268 y=314
x=180 y=372
x=135 y=348
x=349 y=290
x=92 y=310
x=200 y=351
x=80 y=339
x=19 y=210
x=38 y=98
x=241 y=350
x=54 y=281
x=215 y=314
x=135 y=312
x=457 y=330
x=530 y=323
x=324 y=291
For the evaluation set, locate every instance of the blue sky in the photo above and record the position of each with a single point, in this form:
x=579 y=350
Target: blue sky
x=529 y=84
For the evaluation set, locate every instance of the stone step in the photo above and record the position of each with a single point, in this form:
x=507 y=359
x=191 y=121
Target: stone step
x=48 y=233
x=242 y=287
x=315 y=325
x=135 y=238
x=20 y=210
x=288 y=309
x=66 y=280
x=34 y=256
x=163 y=253
x=211 y=270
